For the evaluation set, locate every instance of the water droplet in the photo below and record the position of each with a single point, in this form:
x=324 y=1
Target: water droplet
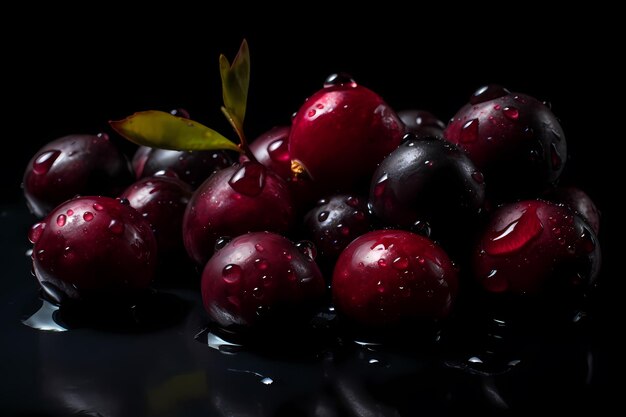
x=261 y=263
x=103 y=136
x=422 y=228
x=322 y=216
x=278 y=151
x=249 y=179
x=359 y=215
x=478 y=177
x=180 y=113
x=511 y=113
x=380 y=186
x=231 y=273
x=555 y=158
x=116 y=227
x=311 y=113
x=469 y=131
x=36 y=231
x=124 y=201
x=497 y=107
x=43 y=162
x=401 y=263
x=428 y=163
x=494 y=282
x=379 y=287
x=221 y=242
x=259 y=247
x=488 y=92
x=587 y=241
x=340 y=78
x=352 y=201
x=98 y=207
x=61 y=219
x=382 y=262
x=516 y=234
x=343 y=230
x=88 y=216
x=307 y=248
x=257 y=292
x=70 y=212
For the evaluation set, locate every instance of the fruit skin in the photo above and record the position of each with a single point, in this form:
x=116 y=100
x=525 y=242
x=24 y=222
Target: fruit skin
x=162 y=200
x=388 y=277
x=534 y=247
x=422 y=123
x=260 y=278
x=192 y=167
x=93 y=247
x=514 y=140
x=341 y=133
x=579 y=201
x=75 y=165
x=216 y=209
x=428 y=180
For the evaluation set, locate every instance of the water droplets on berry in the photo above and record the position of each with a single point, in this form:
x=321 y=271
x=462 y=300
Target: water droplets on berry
x=43 y=162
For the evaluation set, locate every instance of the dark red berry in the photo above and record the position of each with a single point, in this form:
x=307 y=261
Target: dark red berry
x=513 y=139
x=91 y=247
x=162 y=201
x=341 y=133
x=579 y=201
x=422 y=123
x=387 y=277
x=534 y=247
x=73 y=165
x=428 y=183
x=242 y=198
x=260 y=278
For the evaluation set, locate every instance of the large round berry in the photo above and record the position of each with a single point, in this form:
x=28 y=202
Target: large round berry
x=258 y=278
x=91 y=247
x=341 y=133
x=73 y=165
x=514 y=139
x=334 y=222
x=387 y=277
x=193 y=167
x=533 y=247
x=162 y=200
x=422 y=123
x=235 y=200
x=579 y=201
x=428 y=181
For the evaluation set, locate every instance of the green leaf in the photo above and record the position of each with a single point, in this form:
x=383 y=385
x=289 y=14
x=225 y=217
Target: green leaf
x=235 y=82
x=163 y=130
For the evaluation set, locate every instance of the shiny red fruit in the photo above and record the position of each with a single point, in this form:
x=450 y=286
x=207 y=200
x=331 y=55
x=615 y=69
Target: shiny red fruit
x=260 y=278
x=388 y=277
x=74 y=165
x=579 y=201
x=514 y=140
x=233 y=201
x=93 y=247
x=534 y=247
x=341 y=133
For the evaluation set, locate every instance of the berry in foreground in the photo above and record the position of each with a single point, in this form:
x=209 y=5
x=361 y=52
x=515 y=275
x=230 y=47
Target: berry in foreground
x=260 y=278
x=514 y=140
x=534 y=247
x=93 y=247
x=74 y=165
x=388 y=277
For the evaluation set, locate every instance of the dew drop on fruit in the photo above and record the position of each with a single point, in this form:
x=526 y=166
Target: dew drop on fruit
x=70 y=212
x=340 y=78
x=343 y=230
x=35 y=232
x=61 y=219
x=249 y=179
x=352 y=201
x=359 y=215
x=311 y=113
x=103 y=136
x=322 y=216
x=261 y=264
x=515 y=235
x=116 y=227
x=382 y=262
x=231 y=273
x=497 y=107
x=421 y=228
x=98 y=207
x=259 y=247
x=555 y=158
x=221 y=242
x=124 y=201
x=478 y=177
x=278 y=150
x=488 y=92
x=88 y=216
x=494 y=282
x=469 y=131
x=380 y=186
x=307 y=248
x=401 y=263
x=511 y=113
x=180 y=113
x=43 y=162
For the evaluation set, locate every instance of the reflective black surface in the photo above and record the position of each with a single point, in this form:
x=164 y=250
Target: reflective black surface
x=167 y=363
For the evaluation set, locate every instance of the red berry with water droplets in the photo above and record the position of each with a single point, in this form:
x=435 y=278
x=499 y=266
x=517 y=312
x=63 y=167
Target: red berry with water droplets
x=514 y=140
x=422 y=123
x=389 y=277
x=535 y=247
x=334 y=222
x=74 y=165
x=341 y=133
x=162 y=200
x=92 y=247
x=260 y=278
x=242 y=198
